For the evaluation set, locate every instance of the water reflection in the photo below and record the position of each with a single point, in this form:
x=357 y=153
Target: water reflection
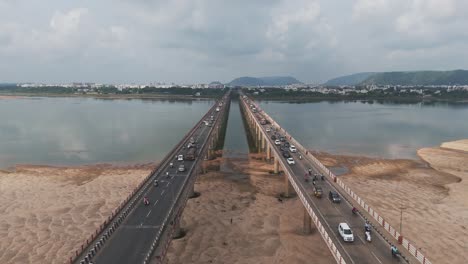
x=386 y=129
x=85 y=130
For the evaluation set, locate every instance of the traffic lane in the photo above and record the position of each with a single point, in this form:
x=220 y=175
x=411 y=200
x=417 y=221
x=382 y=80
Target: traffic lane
x=375 y=249
x=333 y=215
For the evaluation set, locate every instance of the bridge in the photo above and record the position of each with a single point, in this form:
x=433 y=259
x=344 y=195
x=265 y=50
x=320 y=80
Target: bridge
x=325 y=214
x=138 y=233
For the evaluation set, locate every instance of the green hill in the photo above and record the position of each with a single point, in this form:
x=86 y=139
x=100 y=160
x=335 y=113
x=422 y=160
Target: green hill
x=459 y=77
x=352 y=79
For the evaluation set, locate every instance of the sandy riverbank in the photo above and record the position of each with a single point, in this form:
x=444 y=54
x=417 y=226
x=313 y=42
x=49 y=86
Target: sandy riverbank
x=434 y=192
x=263 y=230
x=47 y=212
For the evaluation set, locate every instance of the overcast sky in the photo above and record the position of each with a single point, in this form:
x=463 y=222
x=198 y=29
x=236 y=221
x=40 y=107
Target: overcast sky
x=190 y=41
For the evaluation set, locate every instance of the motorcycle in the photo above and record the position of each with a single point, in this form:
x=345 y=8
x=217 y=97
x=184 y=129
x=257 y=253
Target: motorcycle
x=354 y=210
x=156 y=183
x=146 y=201
x=367 y=233
x=395 y=253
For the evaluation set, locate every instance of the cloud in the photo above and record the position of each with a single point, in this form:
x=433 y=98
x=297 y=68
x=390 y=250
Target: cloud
x=203 y=40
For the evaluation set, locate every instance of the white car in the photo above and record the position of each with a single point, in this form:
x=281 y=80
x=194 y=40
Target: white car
x=345 y=232
x=293 y=149
x=290 y=161
x=268 y=129
x=277 y=142
x=180 y=157
x=182 y=168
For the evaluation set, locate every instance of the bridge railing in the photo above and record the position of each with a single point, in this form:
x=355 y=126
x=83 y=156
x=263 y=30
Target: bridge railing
x=97 y=239
x=181 y=199
x=412 y=249
x=302 y=196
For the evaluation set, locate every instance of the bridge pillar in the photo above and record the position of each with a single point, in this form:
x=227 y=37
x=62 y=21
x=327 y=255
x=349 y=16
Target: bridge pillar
x=288 y=189
x=177 y=230
x=263 y=143
x=276 y=166
x=307 y=223
x=268 y=152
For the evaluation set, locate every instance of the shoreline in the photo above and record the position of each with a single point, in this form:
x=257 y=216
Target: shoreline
x=5 y=96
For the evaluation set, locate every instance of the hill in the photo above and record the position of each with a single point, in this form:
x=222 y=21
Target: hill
x=264 y=81
x=459 y=77
x=352 y=79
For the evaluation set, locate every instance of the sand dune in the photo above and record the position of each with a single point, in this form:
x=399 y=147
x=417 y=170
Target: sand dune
x=435 y=197
x=47 y=212
x=263 y=229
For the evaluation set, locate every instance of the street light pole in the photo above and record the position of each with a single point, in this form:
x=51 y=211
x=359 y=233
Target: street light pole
x=401 y=219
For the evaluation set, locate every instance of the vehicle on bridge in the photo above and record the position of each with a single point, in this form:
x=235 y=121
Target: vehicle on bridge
x=345 y=232
x=318 y=192
x=277 y=142
x=180 y=157
x=291 y=161
x=334 y=197
x=293 y=149
x=286 y=154
x=181 y=168
x=191 y=153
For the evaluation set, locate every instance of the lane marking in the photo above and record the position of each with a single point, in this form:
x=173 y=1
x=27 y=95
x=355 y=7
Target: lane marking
x=162 y=192
x=156 y=202
x=376 y=257
x=148 y=213
x=168 y=183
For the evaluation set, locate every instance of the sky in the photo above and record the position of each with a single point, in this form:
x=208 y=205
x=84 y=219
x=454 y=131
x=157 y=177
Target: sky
x=199 y=41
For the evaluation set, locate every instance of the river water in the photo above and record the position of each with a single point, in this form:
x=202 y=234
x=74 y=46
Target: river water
x=387 y=130
x=71 y=131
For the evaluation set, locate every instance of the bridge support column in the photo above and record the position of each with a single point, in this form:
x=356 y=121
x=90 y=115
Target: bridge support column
x=268 y=152
x=307 y=223
x=177 y=230
x=276 y=166
x=288 y=189
x=263 y=143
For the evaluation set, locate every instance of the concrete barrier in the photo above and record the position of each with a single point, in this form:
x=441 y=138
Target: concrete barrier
x=390 y=230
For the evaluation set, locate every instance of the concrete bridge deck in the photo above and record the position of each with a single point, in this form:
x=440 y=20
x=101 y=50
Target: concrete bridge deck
x=326 y=215
x=145 y=229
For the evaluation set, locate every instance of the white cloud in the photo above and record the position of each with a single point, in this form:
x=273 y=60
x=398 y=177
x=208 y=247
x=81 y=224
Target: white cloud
x=205 y=40
x=69 y=22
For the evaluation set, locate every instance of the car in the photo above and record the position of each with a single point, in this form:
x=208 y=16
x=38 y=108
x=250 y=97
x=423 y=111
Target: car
x=286 y=154
x=181 y=167
x=334 y=197
x=282 y=139
x=345 y=232
x=291 y=161
x=277 y=142
x=286 y=144
x=268 y=129
x=273 y=137
x=318 y=191
x=293 y=149
x=180 y=157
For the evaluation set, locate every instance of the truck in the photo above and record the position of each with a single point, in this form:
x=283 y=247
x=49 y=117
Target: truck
x=191 y=154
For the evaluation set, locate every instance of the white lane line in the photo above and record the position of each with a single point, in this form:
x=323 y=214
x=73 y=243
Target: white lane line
x=162 y=192
x=168 y=183
x=148 y=213
x=376 y=257
x=156 y=202
x=361 y=239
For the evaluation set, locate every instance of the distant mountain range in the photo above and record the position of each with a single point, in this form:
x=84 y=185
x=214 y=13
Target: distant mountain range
x=263 y=81
x=352 y=79
x=459 y=77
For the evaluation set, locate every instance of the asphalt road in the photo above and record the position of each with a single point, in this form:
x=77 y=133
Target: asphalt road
x=132 y=240
x=331 y=214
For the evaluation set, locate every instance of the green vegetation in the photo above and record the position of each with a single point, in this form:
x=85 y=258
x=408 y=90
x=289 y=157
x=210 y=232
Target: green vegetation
x=457 y=77
x=378 y=94
x=110 y=90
